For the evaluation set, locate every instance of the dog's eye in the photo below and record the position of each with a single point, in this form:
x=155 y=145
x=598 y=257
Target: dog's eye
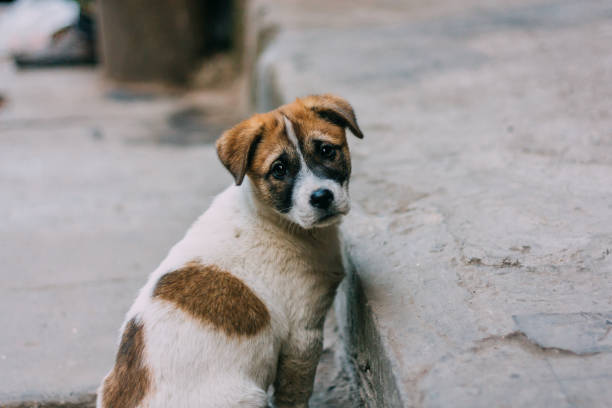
x=279 y=170
x=327 y=151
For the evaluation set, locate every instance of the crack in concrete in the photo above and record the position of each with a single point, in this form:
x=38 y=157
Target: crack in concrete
x=71 y=285
x=506 y=262
x=601 y=338
x=522 y=340
x=82 y=401
x=559 y=383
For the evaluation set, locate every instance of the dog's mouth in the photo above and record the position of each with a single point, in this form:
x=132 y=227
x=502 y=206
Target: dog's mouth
x=329 y=219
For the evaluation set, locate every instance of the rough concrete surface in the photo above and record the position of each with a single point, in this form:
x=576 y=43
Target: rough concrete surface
x=481 y=231
x=479 y=244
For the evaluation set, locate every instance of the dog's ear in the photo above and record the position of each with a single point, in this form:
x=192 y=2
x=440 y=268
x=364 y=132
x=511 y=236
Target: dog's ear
x=334 y=109
x=236 y=146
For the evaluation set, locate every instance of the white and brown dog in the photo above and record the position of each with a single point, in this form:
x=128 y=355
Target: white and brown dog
x=239 y=303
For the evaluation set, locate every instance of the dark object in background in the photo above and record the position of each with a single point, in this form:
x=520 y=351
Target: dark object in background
x=72 y=45
x=144 y=40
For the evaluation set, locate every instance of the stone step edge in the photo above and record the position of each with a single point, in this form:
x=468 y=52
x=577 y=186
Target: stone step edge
x=364 y=353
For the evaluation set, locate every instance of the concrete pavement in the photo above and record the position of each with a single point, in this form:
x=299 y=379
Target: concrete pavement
x=479 y=242
x=481 y=234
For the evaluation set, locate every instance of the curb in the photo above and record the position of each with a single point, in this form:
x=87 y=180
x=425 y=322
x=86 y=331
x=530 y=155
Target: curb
x=364 y=354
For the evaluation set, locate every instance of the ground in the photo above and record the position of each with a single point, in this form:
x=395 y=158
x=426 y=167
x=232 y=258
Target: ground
x=479 y=243
x=99 y=181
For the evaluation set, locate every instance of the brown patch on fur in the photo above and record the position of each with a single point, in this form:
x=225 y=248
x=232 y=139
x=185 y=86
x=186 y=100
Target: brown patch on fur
x=335 y=110
x=129 y=381
x=328 y=114
x=214 y=296
x=310 y=126
x=251 y=147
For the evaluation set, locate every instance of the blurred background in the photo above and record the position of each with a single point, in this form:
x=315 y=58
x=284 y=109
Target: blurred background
x=481 y=230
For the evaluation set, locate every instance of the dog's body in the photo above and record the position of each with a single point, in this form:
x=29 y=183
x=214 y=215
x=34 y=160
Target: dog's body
x=239 y=302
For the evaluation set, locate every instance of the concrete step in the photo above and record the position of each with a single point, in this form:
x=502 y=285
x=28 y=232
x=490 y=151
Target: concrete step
x=479 y=245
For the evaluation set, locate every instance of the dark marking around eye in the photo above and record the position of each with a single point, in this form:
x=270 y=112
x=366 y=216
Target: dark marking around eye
x=282 y=196
x=281 y=189
x=326 y=150
x=336 y=169
x=282 y=159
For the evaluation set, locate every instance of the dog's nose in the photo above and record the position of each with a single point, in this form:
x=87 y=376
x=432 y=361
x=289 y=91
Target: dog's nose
x=321 y=198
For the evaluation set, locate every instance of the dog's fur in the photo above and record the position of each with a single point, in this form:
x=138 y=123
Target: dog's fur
x=239 y=302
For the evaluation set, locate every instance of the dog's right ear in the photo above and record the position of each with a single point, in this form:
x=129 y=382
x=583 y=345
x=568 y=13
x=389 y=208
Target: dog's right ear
x=334 y=109
x=236 y=146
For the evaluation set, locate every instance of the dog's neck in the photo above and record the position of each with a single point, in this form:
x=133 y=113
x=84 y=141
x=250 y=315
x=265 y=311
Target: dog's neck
x=270 y=217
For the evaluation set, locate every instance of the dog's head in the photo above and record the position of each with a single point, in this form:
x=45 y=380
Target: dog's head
x=296 y=157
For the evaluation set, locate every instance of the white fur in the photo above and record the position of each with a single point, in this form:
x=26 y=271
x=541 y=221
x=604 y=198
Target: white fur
x=293 y=271
x=302 y=212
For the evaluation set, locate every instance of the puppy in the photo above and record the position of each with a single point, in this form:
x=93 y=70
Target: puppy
x=239 y=302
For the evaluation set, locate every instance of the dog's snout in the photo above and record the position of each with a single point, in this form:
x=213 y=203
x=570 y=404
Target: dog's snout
x=321 y=198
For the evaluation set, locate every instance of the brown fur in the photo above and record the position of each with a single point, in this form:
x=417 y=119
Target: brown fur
x=308 y=125
x=237 y=144
x=238 y=147
x=129 y=381
x=215 y=297
x=251 y=147
x=270 y=148
x=327 y=104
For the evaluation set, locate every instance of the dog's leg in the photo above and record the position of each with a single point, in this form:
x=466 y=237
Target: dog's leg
x=233 y=393
x=296 y=369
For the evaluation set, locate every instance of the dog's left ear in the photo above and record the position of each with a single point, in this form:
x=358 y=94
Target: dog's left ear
x=236 y=146
x=334 y=109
